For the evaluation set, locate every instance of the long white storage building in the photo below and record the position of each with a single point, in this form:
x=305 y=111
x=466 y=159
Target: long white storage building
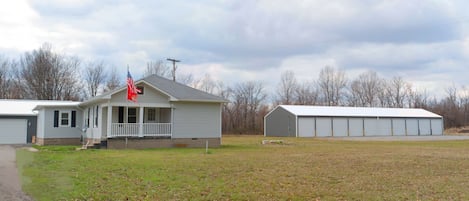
x=323 y=121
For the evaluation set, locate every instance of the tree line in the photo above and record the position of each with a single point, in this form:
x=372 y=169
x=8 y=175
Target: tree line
x=43 y=74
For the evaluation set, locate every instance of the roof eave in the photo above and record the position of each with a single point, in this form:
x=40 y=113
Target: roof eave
x=200 y=100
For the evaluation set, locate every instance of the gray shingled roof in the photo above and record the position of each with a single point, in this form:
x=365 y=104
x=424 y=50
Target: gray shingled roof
x=176 y=90
x=179 y=91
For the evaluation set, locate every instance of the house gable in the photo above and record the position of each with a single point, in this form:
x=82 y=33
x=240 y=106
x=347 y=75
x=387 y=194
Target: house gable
x=150 y=95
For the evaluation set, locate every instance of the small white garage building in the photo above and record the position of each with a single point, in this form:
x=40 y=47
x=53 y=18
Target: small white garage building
x=323 y=121
x=18 y=120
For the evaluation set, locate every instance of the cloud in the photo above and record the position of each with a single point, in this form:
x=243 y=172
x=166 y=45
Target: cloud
x=426 y=41
x=18 y=30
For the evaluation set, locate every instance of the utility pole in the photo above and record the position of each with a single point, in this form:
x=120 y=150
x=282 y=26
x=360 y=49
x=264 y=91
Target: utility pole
x=174 y=67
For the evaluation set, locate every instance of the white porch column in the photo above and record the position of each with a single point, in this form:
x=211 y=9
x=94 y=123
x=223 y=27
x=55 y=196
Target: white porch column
x=109 y=119
x=140 y=122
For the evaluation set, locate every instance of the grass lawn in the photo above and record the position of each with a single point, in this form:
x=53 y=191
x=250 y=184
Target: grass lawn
x=243 y=169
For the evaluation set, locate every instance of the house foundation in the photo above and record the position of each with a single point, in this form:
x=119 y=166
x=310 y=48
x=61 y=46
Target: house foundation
x=58 y=141
x=145 y=143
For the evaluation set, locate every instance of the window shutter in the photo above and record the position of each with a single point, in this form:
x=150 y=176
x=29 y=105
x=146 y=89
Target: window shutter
x=56 y=118
x=74 y=118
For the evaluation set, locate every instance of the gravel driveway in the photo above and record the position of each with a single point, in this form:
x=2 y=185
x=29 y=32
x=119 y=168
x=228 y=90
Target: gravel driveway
x=403 y=138
x=10 y=185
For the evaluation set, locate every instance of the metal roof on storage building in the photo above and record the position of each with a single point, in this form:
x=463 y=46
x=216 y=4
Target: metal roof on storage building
x=19 y=107
x=336 y=111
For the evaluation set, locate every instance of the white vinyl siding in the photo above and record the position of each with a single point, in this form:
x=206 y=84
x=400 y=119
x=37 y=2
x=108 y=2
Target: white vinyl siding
x=201 y=120
x=47 y=129
x=150 y=96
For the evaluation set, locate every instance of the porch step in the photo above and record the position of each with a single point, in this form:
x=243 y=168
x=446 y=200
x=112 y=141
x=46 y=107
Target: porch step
x=94 y=146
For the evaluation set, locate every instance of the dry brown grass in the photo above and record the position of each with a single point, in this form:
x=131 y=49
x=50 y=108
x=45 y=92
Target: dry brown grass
x=243 y=169
x=461 y=131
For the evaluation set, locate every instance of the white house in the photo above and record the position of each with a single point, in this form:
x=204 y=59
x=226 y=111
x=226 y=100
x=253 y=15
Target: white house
x=167 y=114
x=322 y=121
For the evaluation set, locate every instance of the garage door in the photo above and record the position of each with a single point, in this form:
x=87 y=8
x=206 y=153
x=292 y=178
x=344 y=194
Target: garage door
x=306 y=127
x=340 y=127
x=437 y=127
x=355 y=127
x=412 y=127
x=323 y=127
x=425 y=127
x=13 y=131
x=398 y=127
x=377 y=127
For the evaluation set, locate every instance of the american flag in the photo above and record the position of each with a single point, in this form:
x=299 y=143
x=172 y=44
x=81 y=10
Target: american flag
x=132 y=90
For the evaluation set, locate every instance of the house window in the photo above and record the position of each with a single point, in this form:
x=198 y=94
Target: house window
x=64 y=119
x=151 y=114
x=140 y=90
x=132 y=115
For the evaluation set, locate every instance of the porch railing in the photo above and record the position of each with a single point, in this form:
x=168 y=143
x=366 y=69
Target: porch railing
x=132 y=129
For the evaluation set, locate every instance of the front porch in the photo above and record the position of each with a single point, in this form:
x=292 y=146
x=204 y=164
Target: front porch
x=130 y=121
x=140 y=130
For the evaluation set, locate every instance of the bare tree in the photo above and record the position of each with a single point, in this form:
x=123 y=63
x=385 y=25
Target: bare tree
x=46 y=75
x=158 y=68
x=364 y=90
x=247 y=99
x=286 y=88
x=332 y=85
x=306 y=94
x=464 y=105
x=206 y=84
x=113 y=80
x=4 y=77
x=418 y=99
x=397 y=90
x=186 y=79
x=94 y=77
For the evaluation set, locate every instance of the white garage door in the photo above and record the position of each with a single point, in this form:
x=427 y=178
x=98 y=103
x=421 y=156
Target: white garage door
x=398 y=127
x=377 y=127
x=437 y=127
x=306 y=127
x=340 y=127
x=13 y=131
x=412 y=127
x=425 y=127
x=323 y=127
x=355 y=126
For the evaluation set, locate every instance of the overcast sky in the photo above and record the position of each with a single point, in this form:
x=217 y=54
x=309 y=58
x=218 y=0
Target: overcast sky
x=424 y=41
